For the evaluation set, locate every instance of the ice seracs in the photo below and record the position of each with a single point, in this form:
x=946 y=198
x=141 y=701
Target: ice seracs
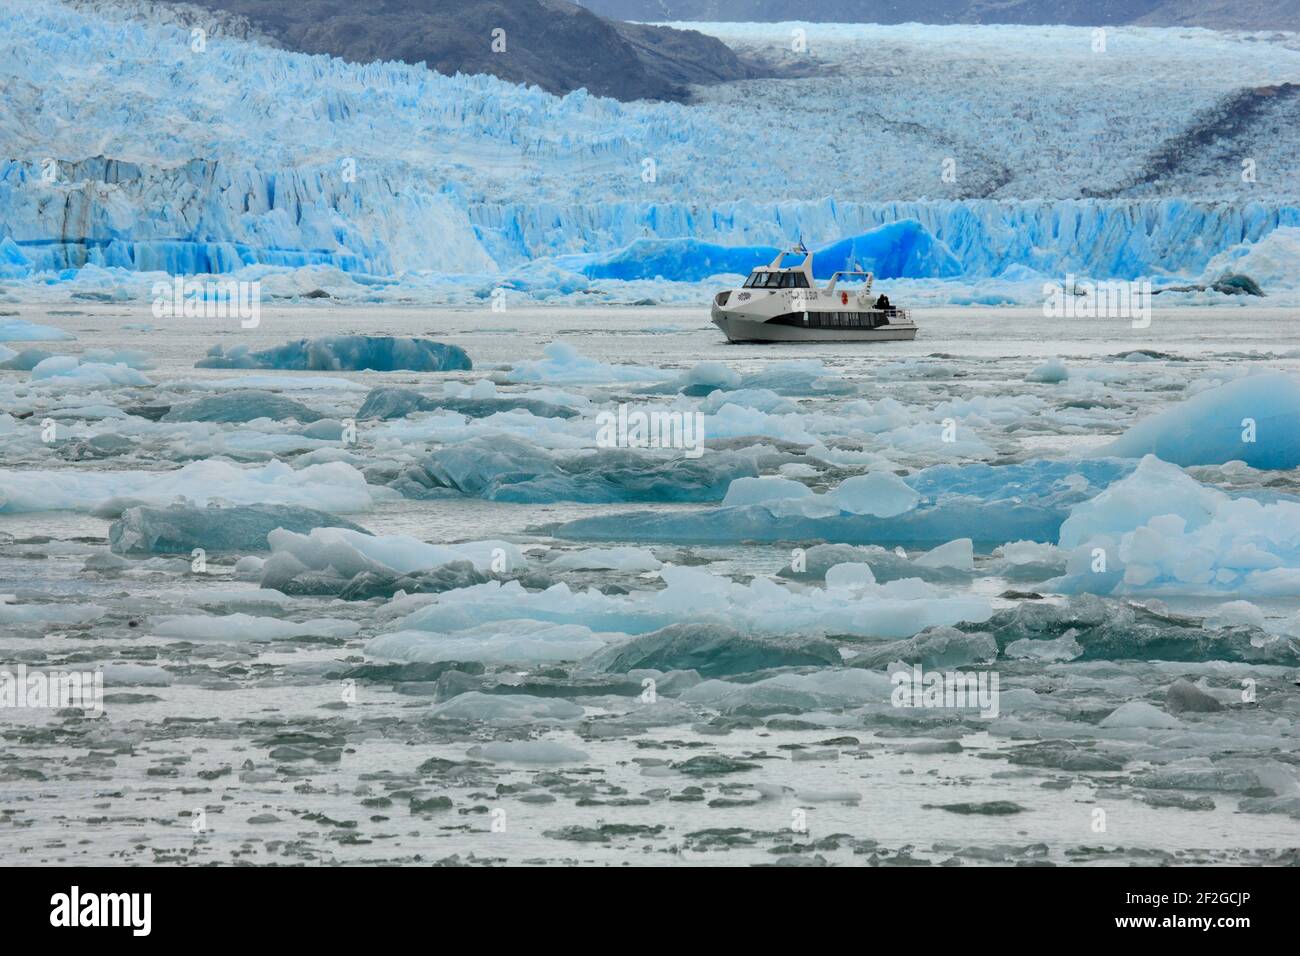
x=781 y=303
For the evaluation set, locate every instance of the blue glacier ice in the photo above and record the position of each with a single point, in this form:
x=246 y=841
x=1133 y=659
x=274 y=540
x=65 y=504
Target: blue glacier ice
x=179 y=528
x=1255 y=419
x=242 y=405
x=14 y=263
x=20 y=330
x=503 y=468
x=1162 y=532
x=388 y=403
x=899 y=250
x=695 y=596
x=380 y=353
x=990 y=504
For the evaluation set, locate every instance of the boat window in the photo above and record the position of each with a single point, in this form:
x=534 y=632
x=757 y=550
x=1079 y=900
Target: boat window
x=755 y=279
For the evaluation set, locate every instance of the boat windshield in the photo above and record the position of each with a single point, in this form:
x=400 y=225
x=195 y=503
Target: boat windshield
x=777 y=280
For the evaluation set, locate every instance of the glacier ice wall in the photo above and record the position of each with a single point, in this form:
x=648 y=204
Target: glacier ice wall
x=122 y=146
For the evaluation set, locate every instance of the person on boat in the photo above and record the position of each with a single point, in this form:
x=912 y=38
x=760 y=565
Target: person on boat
x=883 y=303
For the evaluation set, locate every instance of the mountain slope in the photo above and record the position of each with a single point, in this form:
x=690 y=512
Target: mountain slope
x=554 y=44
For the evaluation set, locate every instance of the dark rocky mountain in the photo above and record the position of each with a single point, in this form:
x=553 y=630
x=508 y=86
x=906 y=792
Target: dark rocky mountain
x=1216 y=14
x=557 y=45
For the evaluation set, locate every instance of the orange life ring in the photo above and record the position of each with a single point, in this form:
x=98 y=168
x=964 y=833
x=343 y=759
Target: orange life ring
x=844 y=298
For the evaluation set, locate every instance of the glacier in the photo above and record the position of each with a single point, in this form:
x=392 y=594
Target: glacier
x=546 y=195
x=899 y=250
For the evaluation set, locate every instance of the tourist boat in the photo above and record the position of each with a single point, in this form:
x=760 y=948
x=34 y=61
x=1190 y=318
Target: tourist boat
x=783 y=304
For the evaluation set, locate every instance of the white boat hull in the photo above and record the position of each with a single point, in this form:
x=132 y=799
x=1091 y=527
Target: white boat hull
x=739 y=328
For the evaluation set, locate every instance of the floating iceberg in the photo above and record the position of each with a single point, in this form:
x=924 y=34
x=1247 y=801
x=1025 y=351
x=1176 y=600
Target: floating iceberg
x=335 y=353
x=1255 y=419
x=234 y=628
x=22 y=361
x=763 y=607
x=794 y=693
x=499 y=642
x=31 y=614
x=20 y=330
x=814 y=563
x=515 y=470
x=1051 y=372
x=879 y=494
x=1105 y=629
x=390 y=403
x=713 y=651
x=350 y=552
x=180 y=528
x=242 y=406
x=988 y=504
x=66 y=371
x=1161 y=531
x=333 y=486
x=933 y=649
x=355 y=565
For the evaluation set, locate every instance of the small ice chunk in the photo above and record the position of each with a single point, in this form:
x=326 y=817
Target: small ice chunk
x=1051 y=372
x=853 y=576
x=1237 y=613
x=1063 y=648
x=753 y=491
x=879 y=493
x=1140 y=714
x=959 y=554
x=244 y=405
x=50 y=613
x=1185 y=697
x=244 y=627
